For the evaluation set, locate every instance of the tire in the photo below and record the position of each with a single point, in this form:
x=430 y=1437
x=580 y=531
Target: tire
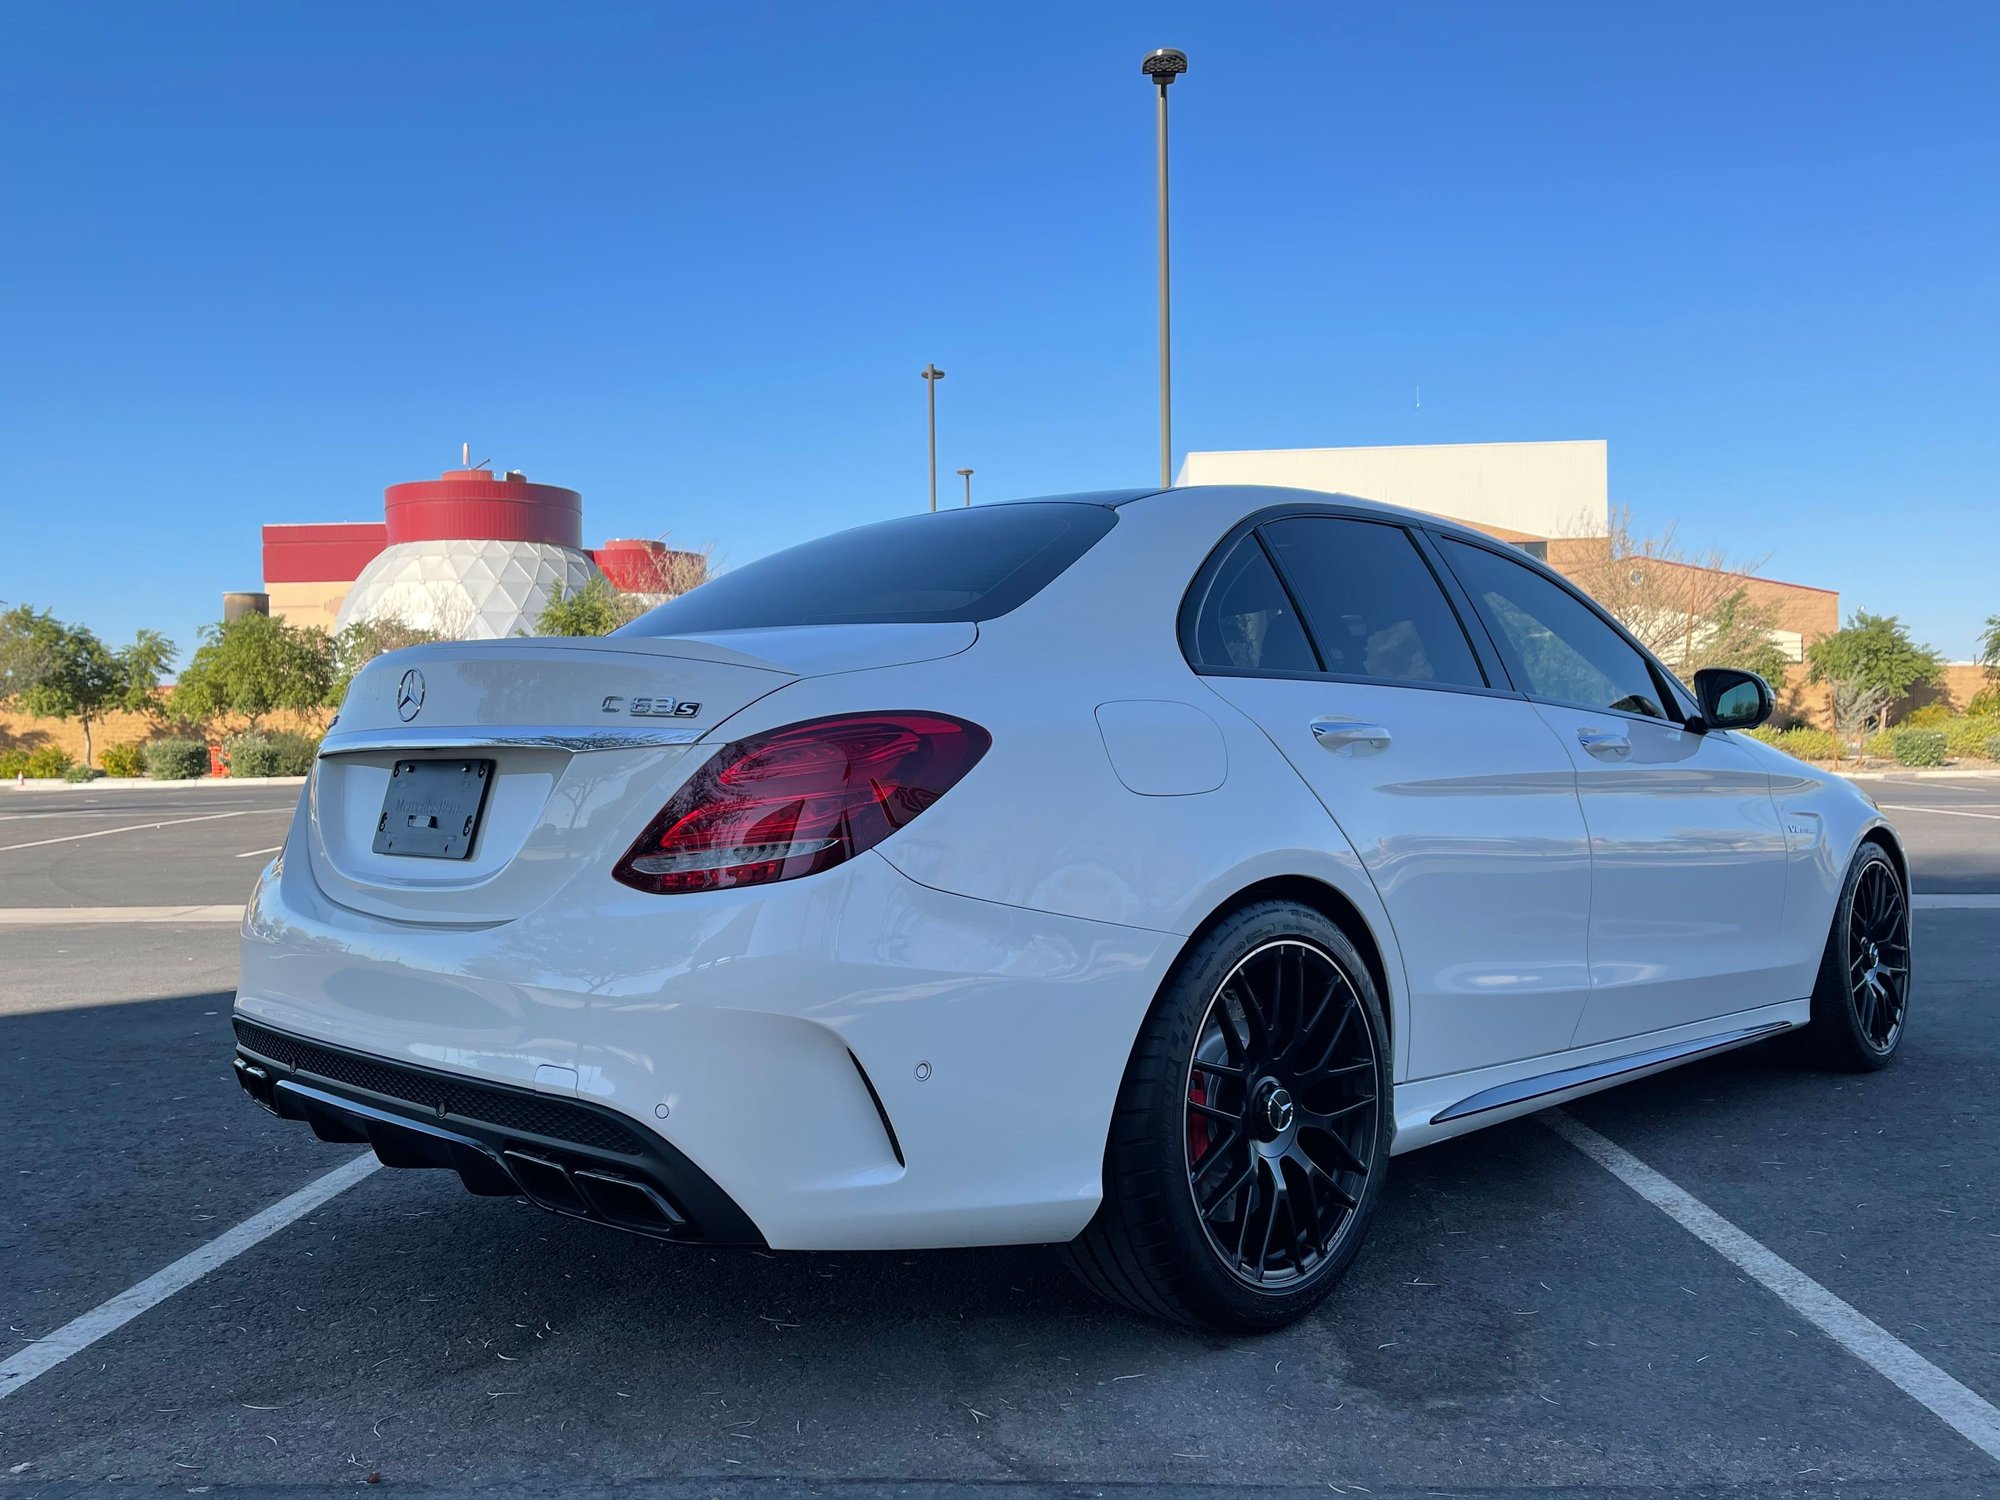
x=1860 y=1002
x=1242 y=1074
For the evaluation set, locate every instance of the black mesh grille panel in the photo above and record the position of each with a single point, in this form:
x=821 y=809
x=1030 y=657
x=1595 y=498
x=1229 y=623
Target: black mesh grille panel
x=555 y=1119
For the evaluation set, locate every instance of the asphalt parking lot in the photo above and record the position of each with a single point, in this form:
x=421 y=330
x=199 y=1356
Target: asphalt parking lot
x=1521 y=1318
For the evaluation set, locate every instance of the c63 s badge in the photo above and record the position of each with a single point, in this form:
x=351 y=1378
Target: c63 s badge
x=653 y=708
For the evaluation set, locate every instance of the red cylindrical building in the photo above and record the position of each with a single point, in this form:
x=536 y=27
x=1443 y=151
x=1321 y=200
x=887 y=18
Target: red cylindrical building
x=476 y=503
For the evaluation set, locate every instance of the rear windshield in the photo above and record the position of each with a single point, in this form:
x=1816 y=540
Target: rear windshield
x=954 y=565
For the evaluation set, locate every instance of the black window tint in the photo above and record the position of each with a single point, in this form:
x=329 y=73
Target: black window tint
x=1554 y=645
x=954 y=565
x=1245 y=623
x=1374 y=608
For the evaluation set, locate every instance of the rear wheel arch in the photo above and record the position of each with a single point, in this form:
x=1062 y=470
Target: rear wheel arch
x=1330 y=902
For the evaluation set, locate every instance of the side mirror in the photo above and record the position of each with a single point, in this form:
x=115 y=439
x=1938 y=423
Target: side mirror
x=1731 y=699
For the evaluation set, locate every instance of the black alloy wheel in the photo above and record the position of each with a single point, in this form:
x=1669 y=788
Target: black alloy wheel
x=1281 y=1125
x=1861 y=1003
x=1251 y=1135
x=1878 y=954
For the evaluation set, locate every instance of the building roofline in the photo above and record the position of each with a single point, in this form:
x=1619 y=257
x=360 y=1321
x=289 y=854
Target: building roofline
x=1392 y=447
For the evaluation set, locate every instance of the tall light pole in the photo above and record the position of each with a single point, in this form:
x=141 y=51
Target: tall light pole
x=966 y=475
x=1163 y=67
x=932 y=375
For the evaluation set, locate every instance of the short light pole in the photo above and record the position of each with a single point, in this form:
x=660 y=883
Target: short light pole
x=932 y=375
x=966 y=475
x=1163 y=67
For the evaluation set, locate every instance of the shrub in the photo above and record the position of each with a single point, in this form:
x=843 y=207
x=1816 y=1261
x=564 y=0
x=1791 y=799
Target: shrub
x=1806 y=744
x=1930 y=716
x=81 y=774
x=1919 y=747
x=294 y=753
x=250 y=755
x=176 y=760
x=1881 y=745
x=1969 y=736
x=1768 y=733
x=123 y=760
x=1985 y=703
x=13 y=762
x=47 y=763
x=1993 y=748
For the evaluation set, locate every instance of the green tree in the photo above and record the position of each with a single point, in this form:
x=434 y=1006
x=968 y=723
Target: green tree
x=1740 y=635
x=1872 y=661
x=363 y=641
x=254 y=665
x=1989 y=646
x=60 y=671
x=594 y=609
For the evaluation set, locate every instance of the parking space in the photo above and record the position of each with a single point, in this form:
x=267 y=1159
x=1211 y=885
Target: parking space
x=1519 y=1319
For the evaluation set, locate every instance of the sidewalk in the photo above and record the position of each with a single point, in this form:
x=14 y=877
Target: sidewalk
x=141 y=783
x=1912 y=773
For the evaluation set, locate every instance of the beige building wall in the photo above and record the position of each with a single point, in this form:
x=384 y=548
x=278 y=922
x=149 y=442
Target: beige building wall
x=308 y=603
x=1534 y=489
x=30 y=733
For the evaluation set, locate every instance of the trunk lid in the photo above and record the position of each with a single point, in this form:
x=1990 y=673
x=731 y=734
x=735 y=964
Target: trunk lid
x=585 y=740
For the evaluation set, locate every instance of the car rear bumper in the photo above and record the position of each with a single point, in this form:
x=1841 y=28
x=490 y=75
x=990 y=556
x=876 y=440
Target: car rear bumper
x=567 y=1156
x=848 y=1061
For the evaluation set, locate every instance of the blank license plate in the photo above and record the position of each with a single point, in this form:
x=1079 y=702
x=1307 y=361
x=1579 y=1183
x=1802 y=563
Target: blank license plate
x=432 y=807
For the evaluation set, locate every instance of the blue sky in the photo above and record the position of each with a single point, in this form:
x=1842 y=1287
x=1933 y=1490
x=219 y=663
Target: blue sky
x=259 y=260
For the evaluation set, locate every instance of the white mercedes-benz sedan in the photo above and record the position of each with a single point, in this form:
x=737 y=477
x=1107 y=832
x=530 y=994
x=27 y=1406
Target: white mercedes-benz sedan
x=1132 y=872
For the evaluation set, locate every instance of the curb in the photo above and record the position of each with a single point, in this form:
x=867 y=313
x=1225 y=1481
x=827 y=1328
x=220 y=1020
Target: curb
x=138 y=783
x=1911 y=773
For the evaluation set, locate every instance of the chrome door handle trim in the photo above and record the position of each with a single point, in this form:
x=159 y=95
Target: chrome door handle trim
x=1344 y=734
x=1608 y=743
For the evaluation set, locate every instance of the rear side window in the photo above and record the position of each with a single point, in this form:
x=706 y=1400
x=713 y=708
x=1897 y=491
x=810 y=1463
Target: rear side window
x=954 y=565
x=1245 y=622
x=1372 y=602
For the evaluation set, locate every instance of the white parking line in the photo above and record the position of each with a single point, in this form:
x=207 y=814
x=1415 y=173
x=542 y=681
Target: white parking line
x=105 y=833
x=253 y=853
x=113 y=916
x=1946 y=812
x=1960 y=1407
x=80 y=1333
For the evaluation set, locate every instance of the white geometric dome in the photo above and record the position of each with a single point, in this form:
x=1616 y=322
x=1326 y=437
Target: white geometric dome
x=463 y=590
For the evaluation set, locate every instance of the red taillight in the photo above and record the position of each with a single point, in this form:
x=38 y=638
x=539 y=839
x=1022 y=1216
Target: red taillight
x=799 y=800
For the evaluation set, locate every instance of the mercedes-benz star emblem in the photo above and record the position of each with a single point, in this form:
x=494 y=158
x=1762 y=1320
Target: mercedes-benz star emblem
x=1278 y=1110
x=410 y=695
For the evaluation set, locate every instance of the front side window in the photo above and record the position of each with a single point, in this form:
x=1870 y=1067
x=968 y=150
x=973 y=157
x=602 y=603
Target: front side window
x=1554 y=645
x=1373 y=606
x=1245 y=622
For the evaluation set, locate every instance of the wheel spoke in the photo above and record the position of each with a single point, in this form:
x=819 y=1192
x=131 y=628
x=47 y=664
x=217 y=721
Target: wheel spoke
x=1313 y=1120
x=1354 y=1163
x=1220 y=1200
x=1215 y=1153
x=1226 y=1116
x=1276 y=1195
x=1314 y=1170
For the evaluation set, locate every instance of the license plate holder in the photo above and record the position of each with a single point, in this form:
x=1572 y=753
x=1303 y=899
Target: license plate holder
x=432 y=808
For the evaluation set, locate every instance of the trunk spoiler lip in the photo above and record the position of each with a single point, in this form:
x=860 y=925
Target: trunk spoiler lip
x=516 y=736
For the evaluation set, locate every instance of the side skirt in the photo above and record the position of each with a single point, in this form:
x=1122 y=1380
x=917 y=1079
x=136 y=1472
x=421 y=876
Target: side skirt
x=1436 y=1109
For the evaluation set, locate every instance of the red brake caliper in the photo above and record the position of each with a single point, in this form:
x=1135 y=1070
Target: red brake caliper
x=1198 y=1136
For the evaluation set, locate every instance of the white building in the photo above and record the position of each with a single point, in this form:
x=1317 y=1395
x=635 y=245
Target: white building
x=1527 y=489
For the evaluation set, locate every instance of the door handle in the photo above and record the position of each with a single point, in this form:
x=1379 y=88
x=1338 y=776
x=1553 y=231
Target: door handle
x=1350 y=734
x=1605 y=744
